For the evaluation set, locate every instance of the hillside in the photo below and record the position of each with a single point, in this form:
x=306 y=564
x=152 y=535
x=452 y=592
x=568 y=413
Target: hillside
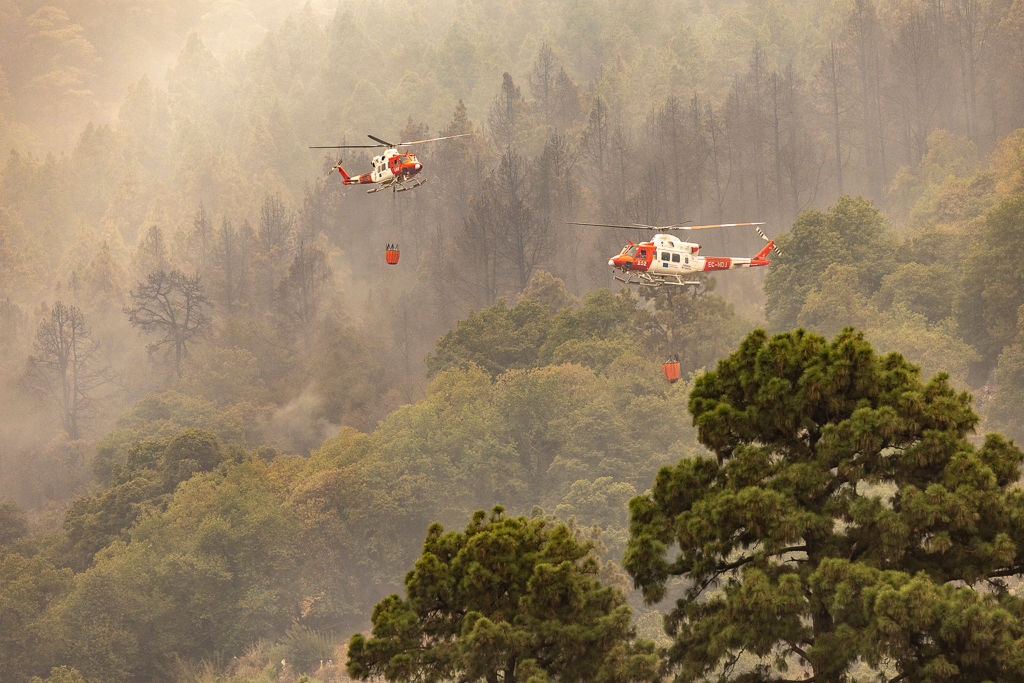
x=251 y=481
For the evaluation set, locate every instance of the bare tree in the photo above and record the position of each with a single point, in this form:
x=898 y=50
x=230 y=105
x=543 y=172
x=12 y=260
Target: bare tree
x=63 y=365
x=170 y=304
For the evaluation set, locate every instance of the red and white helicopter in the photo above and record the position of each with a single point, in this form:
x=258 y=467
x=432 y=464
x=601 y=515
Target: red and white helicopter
x=668 y=260
x=392 y=168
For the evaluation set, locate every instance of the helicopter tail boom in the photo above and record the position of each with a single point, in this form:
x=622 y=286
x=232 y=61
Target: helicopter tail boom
x=763 y=254
x=346 y=179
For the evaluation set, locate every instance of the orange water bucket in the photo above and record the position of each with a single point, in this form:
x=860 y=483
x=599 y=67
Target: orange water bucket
x=671 y=370
x=391 y=254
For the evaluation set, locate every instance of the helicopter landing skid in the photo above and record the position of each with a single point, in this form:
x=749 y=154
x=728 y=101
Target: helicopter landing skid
x=645 y=280
x=403 y=187
x=397 y=186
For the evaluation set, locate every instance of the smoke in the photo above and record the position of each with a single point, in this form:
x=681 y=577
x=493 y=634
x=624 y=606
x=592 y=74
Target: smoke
x=68 y=63
x=298 y=426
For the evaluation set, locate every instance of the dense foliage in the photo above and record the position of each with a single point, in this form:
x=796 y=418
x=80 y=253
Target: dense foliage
x=684 y=111
x=214 y=547
x=843 y=518
x=506 y=600
x=227 y=496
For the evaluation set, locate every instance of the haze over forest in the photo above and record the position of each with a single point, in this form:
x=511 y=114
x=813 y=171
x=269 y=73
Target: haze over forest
x=201 y=499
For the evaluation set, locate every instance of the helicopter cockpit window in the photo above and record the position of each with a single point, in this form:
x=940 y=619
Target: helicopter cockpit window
x=631 y=251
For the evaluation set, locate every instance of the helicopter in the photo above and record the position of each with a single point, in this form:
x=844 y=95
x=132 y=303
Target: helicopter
x=392 y=168
x=668 y=260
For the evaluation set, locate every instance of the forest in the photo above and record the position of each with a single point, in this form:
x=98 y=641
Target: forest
x=236 y=445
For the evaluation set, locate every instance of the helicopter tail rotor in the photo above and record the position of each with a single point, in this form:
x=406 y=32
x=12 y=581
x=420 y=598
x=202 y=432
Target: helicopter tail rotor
x=344 y=176
x=767 y=239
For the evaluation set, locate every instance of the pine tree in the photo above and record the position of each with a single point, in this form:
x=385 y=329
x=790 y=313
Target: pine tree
x=845 y=519
x=507 y=600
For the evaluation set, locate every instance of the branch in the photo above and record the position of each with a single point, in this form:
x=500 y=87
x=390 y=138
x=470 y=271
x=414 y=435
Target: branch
x=800 y=651
x=722 y=569
x=1009 y=571
x=750 y=558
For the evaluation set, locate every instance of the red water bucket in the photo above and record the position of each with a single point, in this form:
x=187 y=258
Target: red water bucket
x=391 y=254
x=671 y=370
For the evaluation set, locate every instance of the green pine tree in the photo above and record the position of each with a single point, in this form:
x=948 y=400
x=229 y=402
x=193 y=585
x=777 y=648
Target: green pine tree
x=844 y=521
x=506 y=600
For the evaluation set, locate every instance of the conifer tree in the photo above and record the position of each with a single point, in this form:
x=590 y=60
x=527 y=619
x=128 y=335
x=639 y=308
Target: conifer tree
x=845 y=519
x=507 y=600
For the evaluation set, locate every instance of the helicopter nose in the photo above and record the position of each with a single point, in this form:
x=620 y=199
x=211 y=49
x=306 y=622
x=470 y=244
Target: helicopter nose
x=611 y=262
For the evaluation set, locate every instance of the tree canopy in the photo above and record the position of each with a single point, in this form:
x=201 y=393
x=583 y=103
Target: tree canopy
x=508 y=599
x=844 y=517
x=235 y=516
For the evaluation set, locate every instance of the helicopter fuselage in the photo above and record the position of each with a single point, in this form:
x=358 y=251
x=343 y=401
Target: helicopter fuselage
x=390 y=168
x=666 y=260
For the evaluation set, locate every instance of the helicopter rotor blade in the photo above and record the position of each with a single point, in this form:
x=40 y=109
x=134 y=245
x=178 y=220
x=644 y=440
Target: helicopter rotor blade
x=721 y=225
x=445 y=137
x=344 y=146
x=610 y=225
x=644 y=226
x=384 y=143
x=634 y=226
